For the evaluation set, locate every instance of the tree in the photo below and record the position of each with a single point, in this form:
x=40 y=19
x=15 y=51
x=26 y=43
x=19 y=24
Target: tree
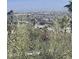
x=69 y=6
x=10 y=21
x=10 y=15
x=10 y=12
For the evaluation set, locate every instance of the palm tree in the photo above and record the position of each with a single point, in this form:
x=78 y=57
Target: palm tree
x=69 y=6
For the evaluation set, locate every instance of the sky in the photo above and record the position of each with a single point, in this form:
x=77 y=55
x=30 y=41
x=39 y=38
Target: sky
x=34 y=5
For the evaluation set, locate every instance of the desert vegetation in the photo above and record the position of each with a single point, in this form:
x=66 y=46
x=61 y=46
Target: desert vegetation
x=48 y=40
x=40 y=35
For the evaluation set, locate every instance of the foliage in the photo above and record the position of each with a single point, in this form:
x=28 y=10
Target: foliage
x=69 y=6
x=27 y=42
x=28 y=39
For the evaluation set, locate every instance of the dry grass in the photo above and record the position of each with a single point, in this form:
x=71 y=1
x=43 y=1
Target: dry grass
x=27 y=39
